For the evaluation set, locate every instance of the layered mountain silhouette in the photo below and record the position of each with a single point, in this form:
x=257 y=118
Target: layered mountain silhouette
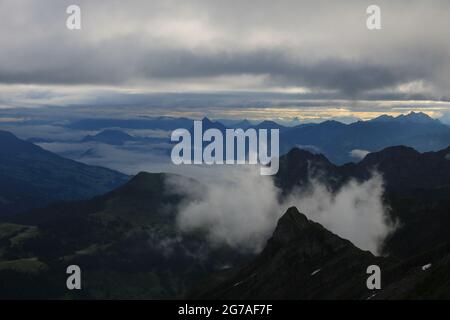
x=31 y=177
x=336 y=140
x=417 y=188
x=403 y=168
x=129 y=245
x=413 y=117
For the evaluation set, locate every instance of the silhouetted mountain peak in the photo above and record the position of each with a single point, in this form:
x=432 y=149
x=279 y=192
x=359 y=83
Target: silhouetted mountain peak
x=114 y=134
x=299 y=154
x=294 y=226
x=382 y=118
x=290 y=225
x=32 y=176
x=207 y=120
x=412 y=117
x=268 y=123
x=396 y=153
x=10 y=144
x=299 y=159
x=208 y=124
x=244 y=124
x=332 y=123
x=298 y=166
x=299 y=261
x=110 y=136
x=416 y=117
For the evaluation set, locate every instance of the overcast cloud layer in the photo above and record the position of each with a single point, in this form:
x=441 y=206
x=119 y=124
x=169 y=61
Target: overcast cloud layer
x=320 y=48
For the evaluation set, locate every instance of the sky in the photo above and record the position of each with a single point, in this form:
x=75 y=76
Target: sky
x=228 y=59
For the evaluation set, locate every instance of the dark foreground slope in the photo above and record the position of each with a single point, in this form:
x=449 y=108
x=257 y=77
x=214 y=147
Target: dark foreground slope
x=126 y=243
x=32 y=177
x=305 y=261
x=302 y=260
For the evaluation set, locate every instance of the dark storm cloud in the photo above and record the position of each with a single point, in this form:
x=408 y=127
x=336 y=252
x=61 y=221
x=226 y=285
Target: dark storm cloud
x=320 y=46
x=347 y=76
x=96 y=65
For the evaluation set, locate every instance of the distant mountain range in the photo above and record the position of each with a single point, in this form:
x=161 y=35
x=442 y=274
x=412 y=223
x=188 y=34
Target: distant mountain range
x=31 y=177
x=339 y=142
x=413 y=117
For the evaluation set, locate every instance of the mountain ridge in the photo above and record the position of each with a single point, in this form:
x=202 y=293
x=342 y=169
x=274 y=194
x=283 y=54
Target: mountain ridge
x=302 y=260
x=31 y=176
x=129 y=235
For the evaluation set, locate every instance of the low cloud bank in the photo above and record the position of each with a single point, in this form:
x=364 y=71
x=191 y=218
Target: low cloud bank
x=359 y=154
x=240 y=208
x=355 y=212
